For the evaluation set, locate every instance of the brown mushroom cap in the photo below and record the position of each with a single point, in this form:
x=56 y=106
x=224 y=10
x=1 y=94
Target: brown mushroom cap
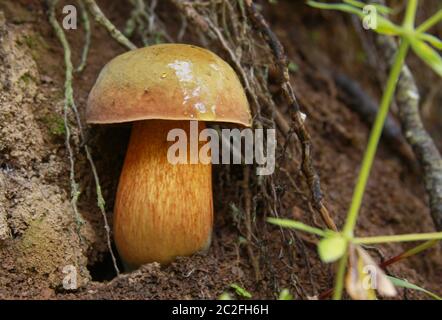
x=169 y=82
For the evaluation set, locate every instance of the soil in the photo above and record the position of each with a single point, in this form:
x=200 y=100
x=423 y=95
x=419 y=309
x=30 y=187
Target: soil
x=43 y=237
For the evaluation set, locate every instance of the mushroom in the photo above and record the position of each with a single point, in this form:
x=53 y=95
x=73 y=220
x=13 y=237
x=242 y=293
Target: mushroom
x=164 y=210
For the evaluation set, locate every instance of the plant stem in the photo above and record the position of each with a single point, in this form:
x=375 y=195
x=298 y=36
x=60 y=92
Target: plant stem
x=431 y=21
x=399 y=238
x=411 y=252
x=410 y=14
x=367 y=162
x=340 y=274
x=287 y=223
x=427 y=24
x=374 y=139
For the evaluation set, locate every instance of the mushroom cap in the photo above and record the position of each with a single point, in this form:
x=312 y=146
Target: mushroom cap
x=168 y=82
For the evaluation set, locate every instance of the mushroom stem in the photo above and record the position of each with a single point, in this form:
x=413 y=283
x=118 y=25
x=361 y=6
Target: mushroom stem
x=161 y=210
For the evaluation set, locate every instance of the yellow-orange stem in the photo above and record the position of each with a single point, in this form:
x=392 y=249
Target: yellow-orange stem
x=162 y=210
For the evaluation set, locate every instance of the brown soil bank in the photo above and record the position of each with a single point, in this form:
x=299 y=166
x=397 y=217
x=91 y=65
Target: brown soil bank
x=43 y=241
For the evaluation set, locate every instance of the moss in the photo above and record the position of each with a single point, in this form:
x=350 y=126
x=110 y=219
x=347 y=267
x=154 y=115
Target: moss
x=38 y=248
x=33 y=230
x=27 y=78
x=35 y=42
x=41 y=250
x=31 y=41
x=55 y=125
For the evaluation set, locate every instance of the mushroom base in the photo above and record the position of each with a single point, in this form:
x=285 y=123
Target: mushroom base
x=161 y=210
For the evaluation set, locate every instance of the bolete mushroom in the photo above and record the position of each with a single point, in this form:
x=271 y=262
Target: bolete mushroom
x=163 y=210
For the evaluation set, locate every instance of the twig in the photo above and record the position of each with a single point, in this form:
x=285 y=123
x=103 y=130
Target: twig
x=87 y=37
x=297 y=118
x=99 y=16
x=70 y=105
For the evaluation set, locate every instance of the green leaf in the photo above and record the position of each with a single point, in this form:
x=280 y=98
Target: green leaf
x=287 y=223
x=427 y=54
x=385 y=26
x=355 y=3
x=332 y=248
x=379 y=7
x=399 y=238
x=408 y=285
x=430 y=22
x=434 y=41
x=285 y=295
x=240 y=291
x=418 y=249
x=335 y=6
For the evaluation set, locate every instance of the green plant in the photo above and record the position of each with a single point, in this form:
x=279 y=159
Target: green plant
x=55 y=124
x=408 y=285
x=240 y=291
x=343 y=245
x=285 y=295
x=27 y=78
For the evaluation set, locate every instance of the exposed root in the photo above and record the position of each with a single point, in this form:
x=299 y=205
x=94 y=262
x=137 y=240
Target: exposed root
x=147 y=24
x=297 y=118
x=99 y=16
x=87 y=37
x=70 y=106
x=68 y=103
x=429 y=157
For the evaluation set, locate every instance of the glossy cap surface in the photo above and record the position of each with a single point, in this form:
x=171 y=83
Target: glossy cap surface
x=168 y=82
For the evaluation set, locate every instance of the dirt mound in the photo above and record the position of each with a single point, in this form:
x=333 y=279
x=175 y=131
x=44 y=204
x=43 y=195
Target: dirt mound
x=39 y=237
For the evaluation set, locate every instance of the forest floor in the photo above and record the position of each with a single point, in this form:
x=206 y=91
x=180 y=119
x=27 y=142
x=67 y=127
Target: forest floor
x=34 y=172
